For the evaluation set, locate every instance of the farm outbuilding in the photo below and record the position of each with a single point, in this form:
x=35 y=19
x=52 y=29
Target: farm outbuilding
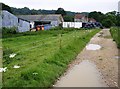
x=23 y=25
x=52 y=20
x=9 y=20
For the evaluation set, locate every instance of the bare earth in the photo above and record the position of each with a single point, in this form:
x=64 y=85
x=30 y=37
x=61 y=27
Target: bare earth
x=105 y=59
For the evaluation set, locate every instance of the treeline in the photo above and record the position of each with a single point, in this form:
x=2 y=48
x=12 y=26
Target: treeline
x=109 y=19
x=27 y=11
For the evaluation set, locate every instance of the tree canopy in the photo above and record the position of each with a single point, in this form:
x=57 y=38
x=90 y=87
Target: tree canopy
x=61 y=11
x=98 y=16
x=109 y=19
x=6 y=7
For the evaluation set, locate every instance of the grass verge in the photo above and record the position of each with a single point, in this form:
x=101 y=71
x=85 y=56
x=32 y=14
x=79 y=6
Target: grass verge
x=115 y=32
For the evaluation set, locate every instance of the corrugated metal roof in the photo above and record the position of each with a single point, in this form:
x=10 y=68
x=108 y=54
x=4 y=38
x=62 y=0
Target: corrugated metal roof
x=50 y=17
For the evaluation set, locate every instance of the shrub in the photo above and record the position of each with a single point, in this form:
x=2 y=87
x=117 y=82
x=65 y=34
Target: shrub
x=9 y=30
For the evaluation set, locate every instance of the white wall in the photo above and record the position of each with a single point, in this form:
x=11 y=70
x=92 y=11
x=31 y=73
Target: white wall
x=72 y=24
x=32 y=24
x=9 y=20
x=23 y=26
x=54 y=23
x=78 y=24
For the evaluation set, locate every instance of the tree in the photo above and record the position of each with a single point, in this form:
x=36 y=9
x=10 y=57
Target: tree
x=107 y=23
x=98 y=16
x=113 y=17
x=68 y=18
x=6 y=7
x=111 y=13
x=118 y=19
x=34 y=12
x=25 y=10
x=61 y=11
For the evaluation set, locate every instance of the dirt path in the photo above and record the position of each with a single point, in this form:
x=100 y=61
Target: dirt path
x=101 y=68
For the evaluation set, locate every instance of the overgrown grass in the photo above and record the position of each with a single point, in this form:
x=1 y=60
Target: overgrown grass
x=115 y=32
x=42 y=56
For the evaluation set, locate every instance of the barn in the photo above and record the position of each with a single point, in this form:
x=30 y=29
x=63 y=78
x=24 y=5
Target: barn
x=52 y=20
x=9 y=20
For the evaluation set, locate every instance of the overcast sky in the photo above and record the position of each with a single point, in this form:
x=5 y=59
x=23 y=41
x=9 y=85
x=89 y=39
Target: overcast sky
x=69 y=5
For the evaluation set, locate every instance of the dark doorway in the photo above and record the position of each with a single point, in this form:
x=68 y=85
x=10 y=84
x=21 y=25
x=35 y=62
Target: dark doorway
x=41 y=23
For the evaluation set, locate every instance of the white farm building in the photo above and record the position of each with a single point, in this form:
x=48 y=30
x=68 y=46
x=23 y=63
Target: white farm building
x=72 y=24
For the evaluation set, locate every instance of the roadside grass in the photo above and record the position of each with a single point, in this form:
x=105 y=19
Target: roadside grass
x=42 y=56
x=0 y=62
x=115 y=32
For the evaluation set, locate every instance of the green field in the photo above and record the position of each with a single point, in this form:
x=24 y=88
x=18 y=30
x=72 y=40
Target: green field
x=42 y=56
x=115 y=32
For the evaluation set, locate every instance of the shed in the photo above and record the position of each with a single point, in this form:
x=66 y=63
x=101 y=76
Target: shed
x=50 y=19
x=9 y=20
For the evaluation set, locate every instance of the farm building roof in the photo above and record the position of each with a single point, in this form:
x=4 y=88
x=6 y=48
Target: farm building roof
x=92 y=20
x=79 y=16
x=50 y=17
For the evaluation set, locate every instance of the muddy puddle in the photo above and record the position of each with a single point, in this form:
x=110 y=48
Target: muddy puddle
x=84 y=74
x=93 y=47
